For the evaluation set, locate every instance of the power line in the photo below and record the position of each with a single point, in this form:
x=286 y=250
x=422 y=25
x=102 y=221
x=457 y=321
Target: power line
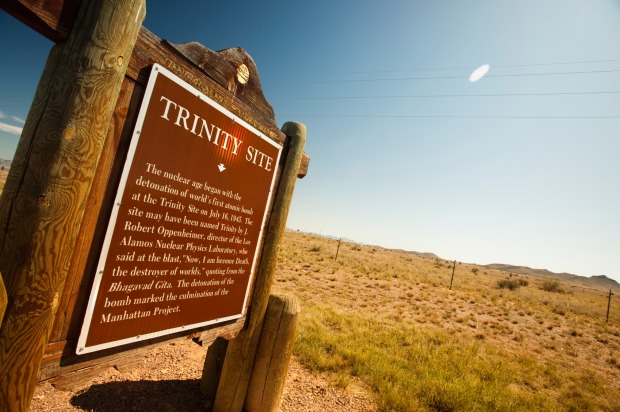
x=559 y=63
x=461 y=68
x=451 y=77
x=448 y=116
x=443 y=95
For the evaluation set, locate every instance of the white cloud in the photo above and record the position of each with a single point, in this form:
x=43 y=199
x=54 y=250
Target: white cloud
x=479 y=73
x=18 y=119
x=2 y=116
x=10 y=129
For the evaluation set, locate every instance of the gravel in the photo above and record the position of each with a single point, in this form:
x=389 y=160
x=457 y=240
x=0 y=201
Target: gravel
x=168 y=380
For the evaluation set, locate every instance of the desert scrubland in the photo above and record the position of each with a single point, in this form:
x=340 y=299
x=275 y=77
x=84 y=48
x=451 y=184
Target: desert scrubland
x=381 y=330
x=496 y=341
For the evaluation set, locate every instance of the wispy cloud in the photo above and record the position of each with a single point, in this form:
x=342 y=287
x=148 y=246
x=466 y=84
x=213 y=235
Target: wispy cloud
x=10 y=129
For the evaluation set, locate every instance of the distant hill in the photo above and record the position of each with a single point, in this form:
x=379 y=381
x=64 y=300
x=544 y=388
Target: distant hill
x=427 y=254
x=5 y=163
x=597 y=282
x=344 y=239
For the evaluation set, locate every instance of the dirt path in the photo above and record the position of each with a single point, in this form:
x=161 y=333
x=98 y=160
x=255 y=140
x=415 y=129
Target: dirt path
x=168 y=380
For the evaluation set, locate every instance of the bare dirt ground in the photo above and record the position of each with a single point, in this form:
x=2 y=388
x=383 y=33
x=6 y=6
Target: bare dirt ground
x=168 y=380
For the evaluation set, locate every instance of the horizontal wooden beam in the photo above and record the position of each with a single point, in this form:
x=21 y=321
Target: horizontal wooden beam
x=80 y=370
x=52 y=19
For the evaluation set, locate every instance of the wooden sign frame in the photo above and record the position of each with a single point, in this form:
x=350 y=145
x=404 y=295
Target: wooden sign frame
x=164 y=135
x=66 y=171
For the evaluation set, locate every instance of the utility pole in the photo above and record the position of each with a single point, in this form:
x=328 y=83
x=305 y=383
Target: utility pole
x=452 y=278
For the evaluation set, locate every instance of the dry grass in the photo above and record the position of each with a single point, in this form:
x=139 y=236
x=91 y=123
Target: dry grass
x=388 y=317
x=3 y=174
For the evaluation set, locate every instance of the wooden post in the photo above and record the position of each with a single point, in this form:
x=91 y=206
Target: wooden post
x=212 y=369
x=44 y=199
x=608 y=306
x=273 y=355
x=452 y=278
x=3 y=299
x=337 y=249
x=241 y=351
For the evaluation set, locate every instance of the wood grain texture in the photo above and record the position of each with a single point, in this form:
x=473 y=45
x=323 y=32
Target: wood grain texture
x=212 y=369
x=222 y=67
x=75 y=295
x=150 y=49
x=273 y=355
x=57 y=155
x=52 y=19
x=241 y=351
x=227 y=332
x=247 y=102
x=3 y=299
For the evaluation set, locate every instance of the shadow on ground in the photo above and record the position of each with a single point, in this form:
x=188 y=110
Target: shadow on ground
x=137 y=396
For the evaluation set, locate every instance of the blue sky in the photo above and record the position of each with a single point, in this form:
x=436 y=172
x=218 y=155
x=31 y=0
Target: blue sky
x=521 y=167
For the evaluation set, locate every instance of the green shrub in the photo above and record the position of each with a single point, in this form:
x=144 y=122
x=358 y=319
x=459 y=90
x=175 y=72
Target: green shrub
x=552 y=286
x=508 y=284
x=559 y=311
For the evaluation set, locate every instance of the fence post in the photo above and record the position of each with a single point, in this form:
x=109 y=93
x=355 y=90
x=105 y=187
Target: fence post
x=43 y=202
x=452 y=278
x=273 y=355
x=608 y=306
x=337 y=249
x=241 y=352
